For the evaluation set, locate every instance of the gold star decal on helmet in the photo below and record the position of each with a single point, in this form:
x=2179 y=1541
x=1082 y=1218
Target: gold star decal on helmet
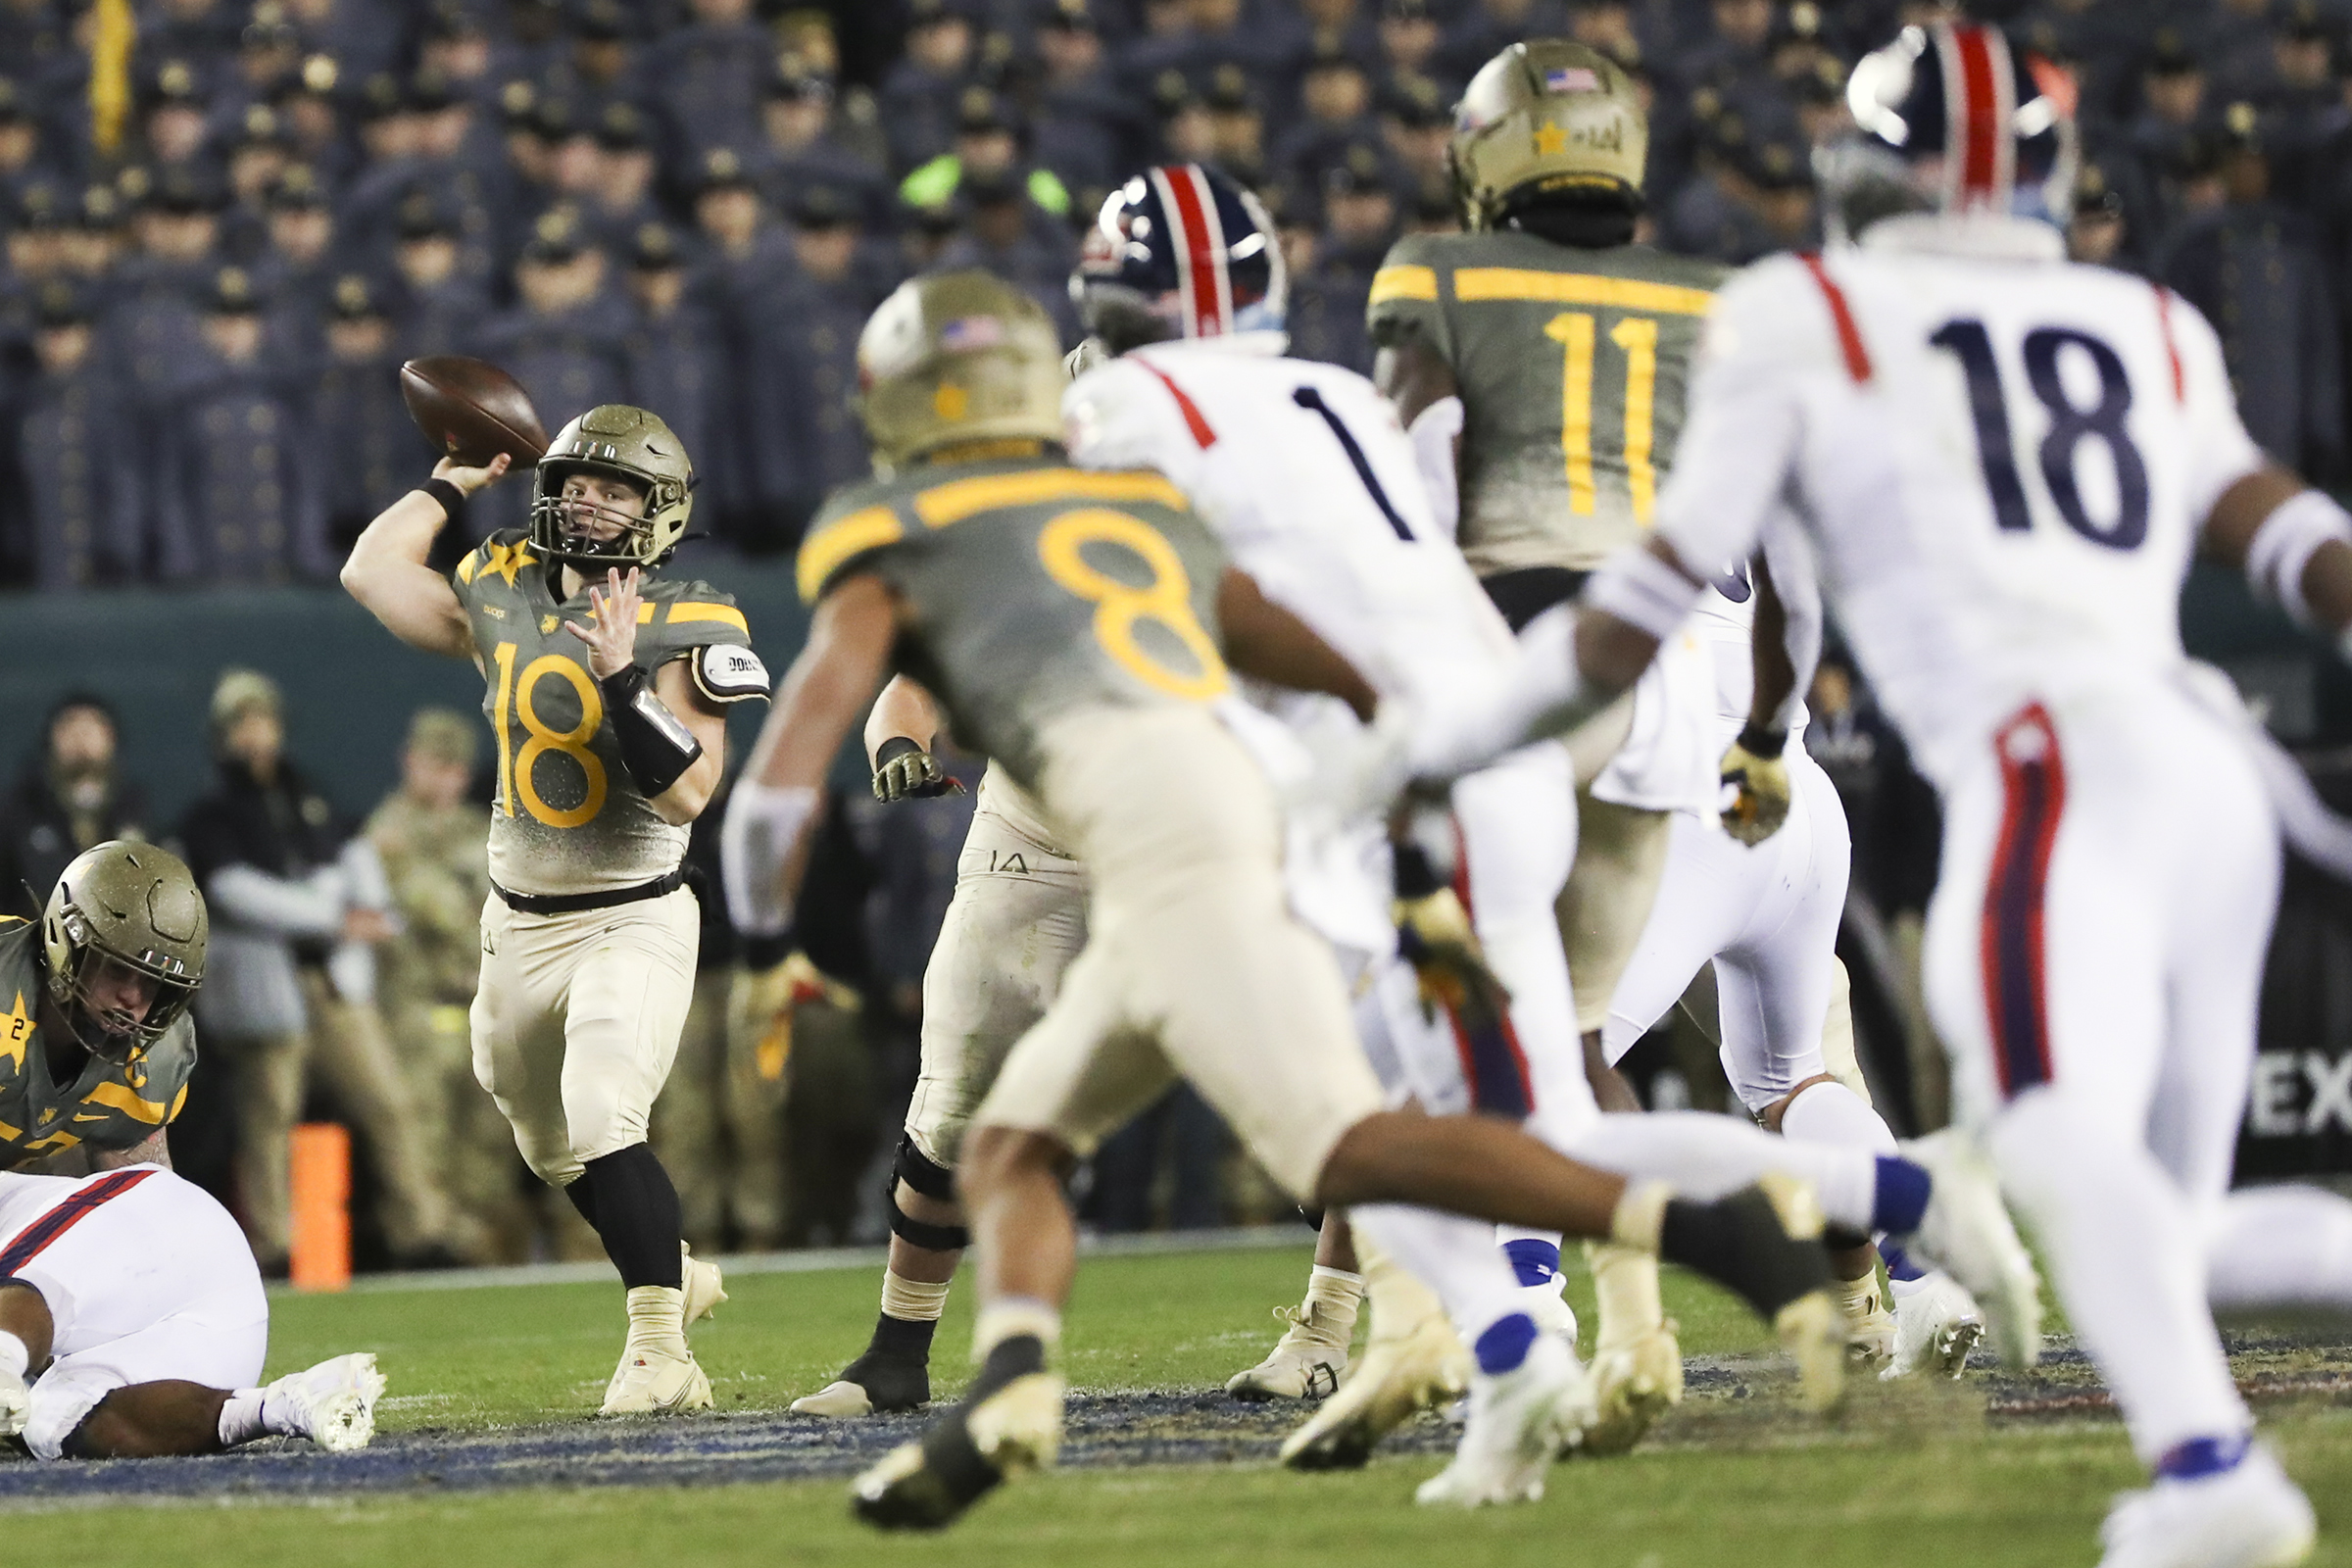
x=16 y=1029
x=1550 y=141
x=507 y=559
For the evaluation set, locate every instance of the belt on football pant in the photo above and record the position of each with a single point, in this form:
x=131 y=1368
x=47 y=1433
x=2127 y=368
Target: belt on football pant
x=1526 y=592
x=573 y=902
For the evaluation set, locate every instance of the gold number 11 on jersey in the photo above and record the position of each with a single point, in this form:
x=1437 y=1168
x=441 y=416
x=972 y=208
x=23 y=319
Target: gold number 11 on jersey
x=1638 y=336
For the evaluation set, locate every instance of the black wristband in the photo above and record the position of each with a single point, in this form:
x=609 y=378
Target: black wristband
x=1764 y=743
x=1414 y=877
x=655 y=747
x=451 y=497
x=891 y=750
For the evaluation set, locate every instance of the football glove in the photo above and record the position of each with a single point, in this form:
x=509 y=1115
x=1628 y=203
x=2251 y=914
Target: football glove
x=760 y=1003
x=1434 y=936
x=16 y=1398
x=904 y=771
x=1756 y=774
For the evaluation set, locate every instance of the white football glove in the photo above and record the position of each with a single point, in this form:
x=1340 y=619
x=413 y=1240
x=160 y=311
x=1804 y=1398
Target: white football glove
x=16 y=1398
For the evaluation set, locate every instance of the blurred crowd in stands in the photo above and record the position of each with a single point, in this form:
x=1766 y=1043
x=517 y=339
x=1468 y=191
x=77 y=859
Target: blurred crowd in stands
x=227 y=224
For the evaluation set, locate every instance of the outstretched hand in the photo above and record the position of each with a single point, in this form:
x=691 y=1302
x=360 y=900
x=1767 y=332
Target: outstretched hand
x=470 y=480
x=612 y=638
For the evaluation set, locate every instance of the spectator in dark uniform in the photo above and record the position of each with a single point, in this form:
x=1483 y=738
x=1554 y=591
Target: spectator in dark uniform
x=711 y=76
x=1409 y=39
x=561 y=340
x=745 y=258
x=268 y=52
x=670 y=351
x=800 y=147
x=1237 y=127
x=804 y=382
x=296 y=269
x=70 y=798
x=314 y=119
x=2304 y=115
x=151 y=322
x=1484 y=29
x=173 y=126
x=37 y=255
x=1336 y=97
x=77 y=459
x=988 y=146
x=94 y=240
x=2162 y=138
x=363 y=36
x=1187 y=134
x=920 y=93
x=455 y=44
x=621 y=200
x=237 y=499
x=1417 y=122
x=257 y=159
x=201 y=34
x=23 y=154
x=1327 y=305
x=2254 y=268
x=435 y=307
x=365 y=448
x=603 y=64
x=1000 y=236
x=1084 y=129
x=2094 y=231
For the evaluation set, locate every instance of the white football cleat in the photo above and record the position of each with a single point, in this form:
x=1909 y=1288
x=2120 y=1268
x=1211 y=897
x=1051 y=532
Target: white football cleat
x=1520 y=1421
x=1935 y=1325
x=702 y=1288
x=333 y=1404
x=1305 y=1364
x=16 y=1403
x=2251 y=1516
x=650 y=1382
x=1966 y=1230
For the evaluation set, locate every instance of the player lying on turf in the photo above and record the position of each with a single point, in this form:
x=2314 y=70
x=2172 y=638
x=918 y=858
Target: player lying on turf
x=133 y=1324
x=2005 y=464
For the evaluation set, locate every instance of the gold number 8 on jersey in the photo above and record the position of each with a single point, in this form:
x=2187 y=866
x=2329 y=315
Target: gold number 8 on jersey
x=516 y=698
x=1166 y=600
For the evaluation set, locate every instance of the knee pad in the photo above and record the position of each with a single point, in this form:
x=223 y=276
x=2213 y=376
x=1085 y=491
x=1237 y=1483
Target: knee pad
x=918 y=1171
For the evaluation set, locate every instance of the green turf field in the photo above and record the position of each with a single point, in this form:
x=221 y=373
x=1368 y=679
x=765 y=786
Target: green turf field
x=1906 y=1473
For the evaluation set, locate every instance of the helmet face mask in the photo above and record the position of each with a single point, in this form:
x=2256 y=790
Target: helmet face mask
x=124 y=939
x=612 y=442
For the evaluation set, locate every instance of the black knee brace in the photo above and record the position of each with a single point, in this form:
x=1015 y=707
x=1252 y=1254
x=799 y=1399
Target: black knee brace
x=918 y=1171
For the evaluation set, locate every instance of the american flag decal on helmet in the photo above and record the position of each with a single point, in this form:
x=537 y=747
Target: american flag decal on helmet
x=1572 y=78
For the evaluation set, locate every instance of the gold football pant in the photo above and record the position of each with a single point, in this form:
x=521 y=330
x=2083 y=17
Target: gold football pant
x=1195 y=967
x=577 y=1021
x=1620 y=861
x=346 y=1044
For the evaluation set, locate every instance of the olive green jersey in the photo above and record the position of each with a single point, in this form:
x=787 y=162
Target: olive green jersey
x=111 y=1104
x=1035 y=591
x=1573 y=365
x=568 y=817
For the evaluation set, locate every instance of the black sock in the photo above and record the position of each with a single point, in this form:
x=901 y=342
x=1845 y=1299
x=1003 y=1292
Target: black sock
x=1739 y=1244
x=635 y=1212
x=896 y=1337
x=582 y=1194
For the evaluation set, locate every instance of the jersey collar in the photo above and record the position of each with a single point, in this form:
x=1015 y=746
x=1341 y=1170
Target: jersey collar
x=1264 y=345
x=1982 y=236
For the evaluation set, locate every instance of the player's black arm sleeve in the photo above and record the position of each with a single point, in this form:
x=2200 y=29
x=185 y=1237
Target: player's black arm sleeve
x=1266 y=640
x=655 y=747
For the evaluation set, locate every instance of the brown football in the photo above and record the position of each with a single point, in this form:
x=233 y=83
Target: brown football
x=472 y=411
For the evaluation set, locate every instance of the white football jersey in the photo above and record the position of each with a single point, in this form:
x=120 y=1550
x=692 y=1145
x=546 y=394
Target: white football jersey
x=2003 y=461
x=1305 y=473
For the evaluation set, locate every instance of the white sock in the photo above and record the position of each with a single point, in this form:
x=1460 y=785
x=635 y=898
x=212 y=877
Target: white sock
x=1831 y=1113
x=1707 y=1157
x=2120 y=1245
x=2281 y=1247
x=241 y=1417
x=1454 y=1258
x=912 y=1300
x=1009 y=1317
x=657 y=1319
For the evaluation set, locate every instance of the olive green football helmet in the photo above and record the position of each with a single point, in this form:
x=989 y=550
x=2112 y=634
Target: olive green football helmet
x=955 y=358
x=138 y=906
x=612 y=439
x=1546 y=117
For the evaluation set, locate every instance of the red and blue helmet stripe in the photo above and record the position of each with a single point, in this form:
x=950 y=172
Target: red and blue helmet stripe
x=2000 y=122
